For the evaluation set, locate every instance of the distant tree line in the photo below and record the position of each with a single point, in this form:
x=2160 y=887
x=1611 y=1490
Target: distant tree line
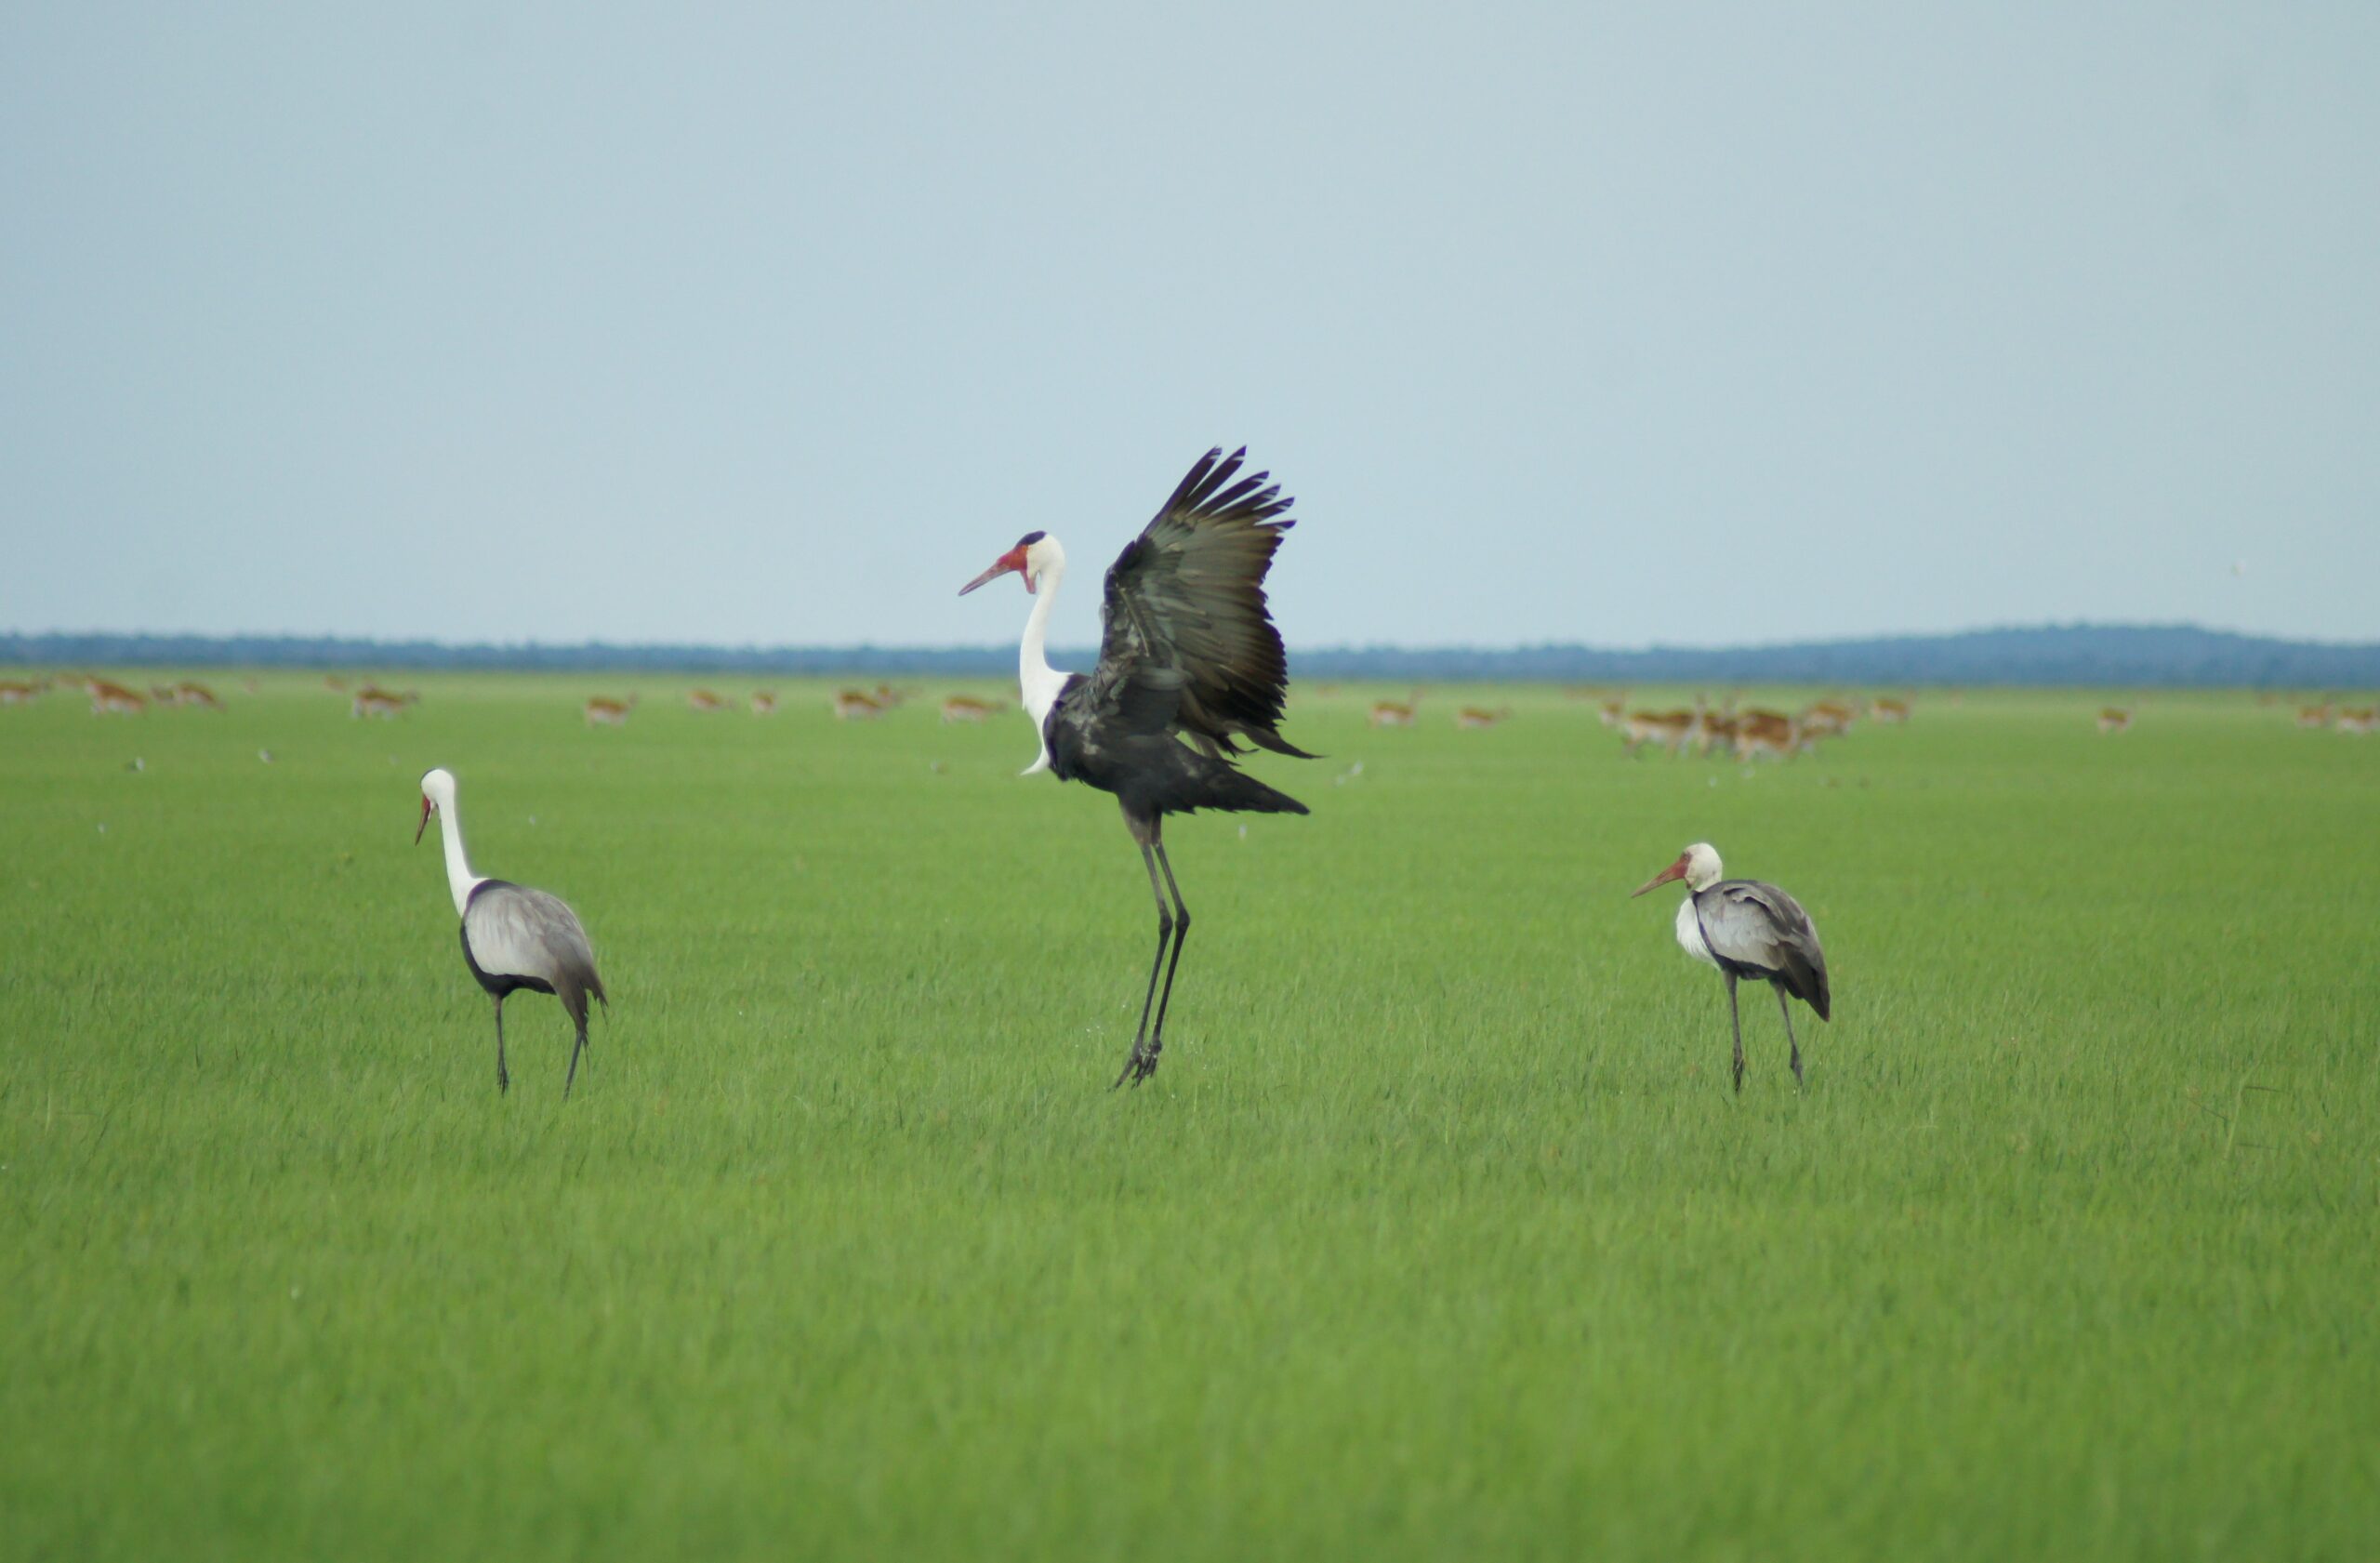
x=2168 y=656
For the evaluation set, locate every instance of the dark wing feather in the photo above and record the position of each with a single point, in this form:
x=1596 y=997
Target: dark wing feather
x=1129 y=748
x=1090 y=718
x=1187 y=596
x=1758 y=924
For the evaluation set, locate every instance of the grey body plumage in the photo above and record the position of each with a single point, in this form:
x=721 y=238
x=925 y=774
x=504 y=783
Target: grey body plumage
x=1763 y=933
x=515 y=937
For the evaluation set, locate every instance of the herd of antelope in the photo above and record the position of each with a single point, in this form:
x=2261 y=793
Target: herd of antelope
x=1752 y=733
x=2323 y=716
x=848 y=704
x=108 y=698
x=1403 y=713
x=1747 y=735
x=2358 y=720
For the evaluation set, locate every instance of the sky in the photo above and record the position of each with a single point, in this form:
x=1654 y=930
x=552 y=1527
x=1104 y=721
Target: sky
x=1689 y=325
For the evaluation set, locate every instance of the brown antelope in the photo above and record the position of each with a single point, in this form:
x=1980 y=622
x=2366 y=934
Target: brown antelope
x=333 y=682
x=886 y=697
x=2114 y=719
x=857 y=705
x=764 y=703
x=1473 y=718
x=14 y=694
x=1713 y=729
x=602 y=712
x=1395 y=714
x=704 y=700
x=2359 y=721
x=1888 y=712
x=966 y=708
x=1669 y=729
x=113 y=699
x=1612 y=712
x=1766 y=735
x=2314 y=716
x=189 y=693
x=1827 y=719
x=372 y=700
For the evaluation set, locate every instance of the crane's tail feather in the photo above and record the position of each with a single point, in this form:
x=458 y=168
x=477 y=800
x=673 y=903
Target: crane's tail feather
x=1807 y=982
x=1238 y=792
x=1264 y=737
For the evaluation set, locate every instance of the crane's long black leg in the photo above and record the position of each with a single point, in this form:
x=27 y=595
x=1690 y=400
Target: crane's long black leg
x=576 y=1048
x=1181 y=937
x=1144 y=1057
x=1790 y=1041
x=1735 y=1018
x=503 y=1080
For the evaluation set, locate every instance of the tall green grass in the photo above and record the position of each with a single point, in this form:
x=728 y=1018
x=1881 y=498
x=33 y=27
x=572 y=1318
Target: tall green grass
x=1438 y=1233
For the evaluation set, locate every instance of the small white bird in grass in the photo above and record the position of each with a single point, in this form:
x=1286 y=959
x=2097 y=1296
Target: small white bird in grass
x=513 y=937
x=1748 y=929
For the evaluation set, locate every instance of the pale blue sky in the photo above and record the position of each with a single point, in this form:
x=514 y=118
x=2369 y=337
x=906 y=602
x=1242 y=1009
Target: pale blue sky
x=1694 y=324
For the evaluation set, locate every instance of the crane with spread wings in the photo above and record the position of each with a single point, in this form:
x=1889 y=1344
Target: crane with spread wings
x=1190 y=671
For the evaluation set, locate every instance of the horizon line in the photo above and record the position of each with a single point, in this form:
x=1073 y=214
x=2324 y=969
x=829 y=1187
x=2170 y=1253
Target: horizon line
x=1344 y=647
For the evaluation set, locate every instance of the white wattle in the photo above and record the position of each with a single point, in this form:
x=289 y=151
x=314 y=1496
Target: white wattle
x=1037 y=683
x=1689 y=932
x=459 y=878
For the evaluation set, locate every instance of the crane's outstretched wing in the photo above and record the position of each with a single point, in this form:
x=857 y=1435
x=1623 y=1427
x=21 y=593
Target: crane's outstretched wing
x=1758 y=924
x=512 y=931
x=1187 y=599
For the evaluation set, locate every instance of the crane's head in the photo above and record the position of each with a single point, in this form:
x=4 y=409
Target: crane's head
x=1698 y=865
x=1036 y=554
x=437 y=792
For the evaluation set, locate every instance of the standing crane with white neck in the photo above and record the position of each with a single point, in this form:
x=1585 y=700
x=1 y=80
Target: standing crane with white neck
x=1748 y=929
x=513 y=937
x=1189 y=665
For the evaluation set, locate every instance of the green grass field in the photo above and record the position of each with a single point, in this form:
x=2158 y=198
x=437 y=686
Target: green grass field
x=1438 y=1233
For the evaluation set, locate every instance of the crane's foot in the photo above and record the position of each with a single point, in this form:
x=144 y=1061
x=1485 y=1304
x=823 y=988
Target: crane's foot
x=1140 y=1066
x=1797 y=1071
x=503 y=1082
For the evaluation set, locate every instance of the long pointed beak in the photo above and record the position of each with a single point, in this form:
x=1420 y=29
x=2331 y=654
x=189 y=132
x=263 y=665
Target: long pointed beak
x=995 y=573
x=1012 y=560
x=1674 y=871
x=425 y=822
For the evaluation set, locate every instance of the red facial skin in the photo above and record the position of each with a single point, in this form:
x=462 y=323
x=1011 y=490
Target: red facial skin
x=1012 y=560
